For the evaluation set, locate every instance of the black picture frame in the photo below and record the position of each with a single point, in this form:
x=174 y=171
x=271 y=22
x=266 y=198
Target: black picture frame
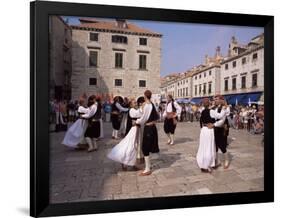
x=39 y=132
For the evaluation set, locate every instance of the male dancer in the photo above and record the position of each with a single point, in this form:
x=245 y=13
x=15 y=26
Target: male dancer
x=171 y=114
x=93 y=130
x=220 y=131
x=140 y=157
x=150 y=135
x=115 y=116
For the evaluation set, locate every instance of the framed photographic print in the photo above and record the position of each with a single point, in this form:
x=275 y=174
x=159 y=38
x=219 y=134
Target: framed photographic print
x=142 y=109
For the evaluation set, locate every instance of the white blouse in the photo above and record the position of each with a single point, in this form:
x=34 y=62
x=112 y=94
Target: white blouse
x=169 y=109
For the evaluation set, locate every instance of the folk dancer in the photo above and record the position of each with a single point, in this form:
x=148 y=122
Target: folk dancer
x=220 y=131
x=171 y=115
x=150 y=136
x=75 y=134
x=116 y=109
x=206 y=154
x=93 y=131
x=140 y=157
x=125 y=152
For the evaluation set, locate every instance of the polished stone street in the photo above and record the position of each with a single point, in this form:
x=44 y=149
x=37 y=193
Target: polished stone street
x=82 y=176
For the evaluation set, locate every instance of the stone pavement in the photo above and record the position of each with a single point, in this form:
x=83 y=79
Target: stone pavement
x=82 y=176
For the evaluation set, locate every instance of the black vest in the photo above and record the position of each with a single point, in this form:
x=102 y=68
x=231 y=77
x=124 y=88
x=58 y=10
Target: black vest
x=97 y=115
x=206 y=117
x=154 y=116
x=114 y=108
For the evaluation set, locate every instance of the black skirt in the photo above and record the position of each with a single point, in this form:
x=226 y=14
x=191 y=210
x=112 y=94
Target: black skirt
x=115 y=119
x=93 y=130
x=169 y=126
x=150 y=140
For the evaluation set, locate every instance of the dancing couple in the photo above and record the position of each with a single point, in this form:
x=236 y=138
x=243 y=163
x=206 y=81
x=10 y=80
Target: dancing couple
x=126 y=152
x=212 y=135
x=87 y=127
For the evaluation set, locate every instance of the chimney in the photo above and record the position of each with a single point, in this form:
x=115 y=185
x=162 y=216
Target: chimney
x=121 y=23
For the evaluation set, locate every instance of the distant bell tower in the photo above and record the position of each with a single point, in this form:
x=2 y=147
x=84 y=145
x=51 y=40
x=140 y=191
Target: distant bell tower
x=218 y=52
x=232 y=44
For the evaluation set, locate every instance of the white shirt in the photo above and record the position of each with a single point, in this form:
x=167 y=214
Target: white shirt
x=122 y=109
x=83 y=110
x=145 y=114
x=91 y=112
x=169 y=109
x=135 y=113
x=218 y=116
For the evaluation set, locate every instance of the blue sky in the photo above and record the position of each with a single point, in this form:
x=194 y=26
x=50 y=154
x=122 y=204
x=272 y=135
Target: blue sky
x=185 y=45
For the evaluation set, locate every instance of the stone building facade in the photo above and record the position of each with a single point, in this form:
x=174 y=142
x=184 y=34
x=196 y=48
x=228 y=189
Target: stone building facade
x=244 y=71
x=60 y=58
x=112 y=58
x=239 y=76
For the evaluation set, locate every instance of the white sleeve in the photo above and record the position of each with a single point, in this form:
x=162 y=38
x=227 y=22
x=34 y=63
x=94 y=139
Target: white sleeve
x=91 y=112
x=218 y=116
x=178 y=108
x=214 y=114
x=83 y=110
x=146 y=113
x=123 y=109
x=165 y=113
x=220 y=122
x=135 y=113
x=227 y=111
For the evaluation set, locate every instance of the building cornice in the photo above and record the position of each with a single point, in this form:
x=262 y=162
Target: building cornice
x=73 y=27
x=243 y=54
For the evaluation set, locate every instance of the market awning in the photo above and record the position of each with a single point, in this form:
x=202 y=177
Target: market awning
x=183 y=100
x=243 y=98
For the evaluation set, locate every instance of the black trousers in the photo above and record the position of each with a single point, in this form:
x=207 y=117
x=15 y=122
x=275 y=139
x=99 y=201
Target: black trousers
x=93 y=130
x=150 y=140
x=115 y=121
x=220 y=139
x=169 y=126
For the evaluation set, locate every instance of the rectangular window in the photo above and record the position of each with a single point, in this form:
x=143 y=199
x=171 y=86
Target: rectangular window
x=183 y=92
x=143 y=41
x=243 y=60
x=92 y=81
x=119 y=39
x=94 y=37
x=118 y=82
x=226 y=66
x=255 y=56
x=234 y=64
x=200 y=89
x=243 y=82
x=142 y=62
x=195 y=90
x=118 y=60
x=204 y=88
x=210 y=73
x=186 y=91
x=226 y=85
x=210 y=88
x=93 y=59
x=233 y=83
x=204 y=74
x=254 y=80
x=142 y=83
